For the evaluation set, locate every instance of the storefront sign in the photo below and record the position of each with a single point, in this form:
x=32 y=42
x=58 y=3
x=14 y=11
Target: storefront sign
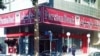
x=58 y=17
x=51 y=16
x=7 y=19
x=16 y=18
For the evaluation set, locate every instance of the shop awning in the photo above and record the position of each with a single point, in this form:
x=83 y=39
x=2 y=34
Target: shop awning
x=17 y=35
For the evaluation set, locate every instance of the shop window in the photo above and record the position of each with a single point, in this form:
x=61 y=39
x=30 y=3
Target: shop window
x=31 y=29
x=70 y=0
x=22 y=28
x=77 y=1
x=12 y=30
x=77 y=42
x=86 y=1
x=93 y=1
x=8 y=1
x=2 y=45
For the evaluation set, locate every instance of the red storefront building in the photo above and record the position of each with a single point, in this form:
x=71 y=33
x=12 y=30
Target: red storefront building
x=20 y=24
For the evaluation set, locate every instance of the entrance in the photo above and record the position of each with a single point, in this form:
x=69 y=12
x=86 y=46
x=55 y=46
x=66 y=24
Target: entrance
x=80 y=40
x=76 y=42
x=44 y=45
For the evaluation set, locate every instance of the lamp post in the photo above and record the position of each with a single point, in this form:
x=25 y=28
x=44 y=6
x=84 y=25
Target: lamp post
x=88 y=39
x=36 y=28
x=50 y=37
x=68 y=34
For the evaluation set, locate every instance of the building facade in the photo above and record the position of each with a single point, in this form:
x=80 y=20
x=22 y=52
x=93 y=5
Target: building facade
x=71 y=22
x=82 y=7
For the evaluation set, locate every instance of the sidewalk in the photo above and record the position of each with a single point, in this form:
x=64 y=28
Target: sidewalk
x=78 y=53
x=2 y=54
x=75 y=55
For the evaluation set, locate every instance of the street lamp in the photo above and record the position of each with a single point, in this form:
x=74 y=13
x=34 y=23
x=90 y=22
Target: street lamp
x=88 y=36
x=88 y=39
x=50 y=37
x=68 y=34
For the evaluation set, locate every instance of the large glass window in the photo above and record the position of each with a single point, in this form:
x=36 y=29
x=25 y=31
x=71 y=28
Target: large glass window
x=26 y=45
x=2 y=45
x=90 y=1
x=72 y=41
x=77 y=1
x=11 y=30
x=77 y=42
x=70 y=0
x=93 y=1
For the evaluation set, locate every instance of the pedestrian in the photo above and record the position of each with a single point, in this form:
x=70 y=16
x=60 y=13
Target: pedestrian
x=64 y=48
x=1 y=48
x=73 y=49
x=69 y=50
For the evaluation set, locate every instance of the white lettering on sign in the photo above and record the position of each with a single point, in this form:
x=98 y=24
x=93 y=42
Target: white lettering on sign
x=59 y=18
x=27 y=14
x=7 y=20
x=56 y=16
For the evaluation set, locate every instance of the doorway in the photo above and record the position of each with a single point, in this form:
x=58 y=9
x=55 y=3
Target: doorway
x=44 y=45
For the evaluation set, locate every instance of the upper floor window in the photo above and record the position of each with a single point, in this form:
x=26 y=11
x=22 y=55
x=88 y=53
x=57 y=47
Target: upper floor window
x=70 y=0
x=77 y=1
x=8 y=1
x=90 y=1
x=93 y=1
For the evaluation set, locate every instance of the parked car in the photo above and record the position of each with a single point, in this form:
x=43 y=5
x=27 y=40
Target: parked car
x=94 y=54
x=47 y=53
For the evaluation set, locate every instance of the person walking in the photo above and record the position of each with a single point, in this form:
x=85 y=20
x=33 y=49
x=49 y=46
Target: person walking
x=73 y=49
x=1 y=48
x=64 y=48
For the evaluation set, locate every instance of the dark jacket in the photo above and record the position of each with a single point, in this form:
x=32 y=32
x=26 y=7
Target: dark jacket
x=64 y=48
x=73 y=50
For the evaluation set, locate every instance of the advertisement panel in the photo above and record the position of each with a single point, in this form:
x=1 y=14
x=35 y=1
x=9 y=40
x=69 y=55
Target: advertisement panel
x=22 y=17
x=50 y=16
x=63 y=18
x=7 y=19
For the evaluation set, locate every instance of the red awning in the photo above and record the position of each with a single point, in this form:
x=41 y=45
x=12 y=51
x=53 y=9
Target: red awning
x=13 y=35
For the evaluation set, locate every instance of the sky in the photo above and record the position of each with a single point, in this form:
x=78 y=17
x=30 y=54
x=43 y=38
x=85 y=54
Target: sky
x=19 y=5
